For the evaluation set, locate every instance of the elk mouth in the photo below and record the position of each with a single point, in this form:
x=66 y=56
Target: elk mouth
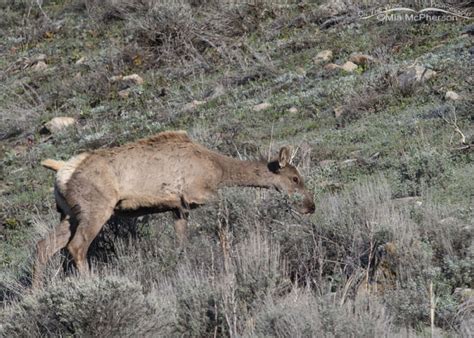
x=307 y=209
x=307 y=206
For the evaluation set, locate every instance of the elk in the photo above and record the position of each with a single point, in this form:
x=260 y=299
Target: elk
x=165 y=172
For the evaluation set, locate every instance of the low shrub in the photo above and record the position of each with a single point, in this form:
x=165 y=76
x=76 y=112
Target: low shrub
x=94 y=307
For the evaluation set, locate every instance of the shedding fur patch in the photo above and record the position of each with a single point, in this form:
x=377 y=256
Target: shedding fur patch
x=166 y=136
x=65 y=172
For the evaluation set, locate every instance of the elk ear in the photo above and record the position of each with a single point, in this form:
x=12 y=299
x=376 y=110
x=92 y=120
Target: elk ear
x=284 y=156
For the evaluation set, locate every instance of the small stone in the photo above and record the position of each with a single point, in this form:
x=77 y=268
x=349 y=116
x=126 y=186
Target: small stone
x=324 y=56
x=339 y=111
x=355 y=153
x=124 y=94
x=116 y=78
x=422 y=73
x=40 y=66
x=331 y=66
x=450 y=95
x=414 y=75
x=193 y=105
x=293 y=110
x=300 y=71
x=349 y=163
x=81 y=61
x=129 y=79
x=261 y=106
x=198 y=103
x=57 y=124
x=349 y=66
x=361 y=59
x=134 y=78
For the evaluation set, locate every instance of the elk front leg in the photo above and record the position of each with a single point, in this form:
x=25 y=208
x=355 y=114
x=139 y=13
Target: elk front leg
x=180 y=226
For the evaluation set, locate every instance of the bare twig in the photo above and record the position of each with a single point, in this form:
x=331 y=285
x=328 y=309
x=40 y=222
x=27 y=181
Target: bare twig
x=432 y=308
x=40 y=6
x=269 y=157
x=453 y=122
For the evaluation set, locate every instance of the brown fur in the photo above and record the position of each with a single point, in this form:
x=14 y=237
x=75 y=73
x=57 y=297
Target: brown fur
x=165 y=172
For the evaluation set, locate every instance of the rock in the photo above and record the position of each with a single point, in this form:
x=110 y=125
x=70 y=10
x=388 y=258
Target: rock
x=40 y=66
x=293 y=110
x=339 y=111
x=423 y=73
x=57 y=124
x=419 y=73
x=134 y=78
x=349 y=66
x=261 y=106
x=124 y=94
x=412 y=76
x=356 y=153
x=130 y=79
x=331 y=66
x=450 y=95
x=300 y=71
x=116 y=78
x=361 y=59
x=324 y=56
x=349 y=163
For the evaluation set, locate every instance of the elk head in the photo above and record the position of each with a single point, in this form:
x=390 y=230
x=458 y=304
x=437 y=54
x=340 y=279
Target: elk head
x=289 y=180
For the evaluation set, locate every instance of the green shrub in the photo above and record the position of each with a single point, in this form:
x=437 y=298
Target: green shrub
x=420 y=169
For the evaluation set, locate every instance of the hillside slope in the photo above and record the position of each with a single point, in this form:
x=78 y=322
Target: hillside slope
x=381 y=115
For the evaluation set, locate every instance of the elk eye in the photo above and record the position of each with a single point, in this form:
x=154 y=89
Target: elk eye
x=296 y=179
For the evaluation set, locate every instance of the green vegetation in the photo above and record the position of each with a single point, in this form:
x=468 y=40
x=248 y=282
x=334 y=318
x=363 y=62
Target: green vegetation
x=392 y=180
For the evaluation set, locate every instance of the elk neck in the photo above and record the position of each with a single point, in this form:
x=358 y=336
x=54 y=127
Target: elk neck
x=246 y=173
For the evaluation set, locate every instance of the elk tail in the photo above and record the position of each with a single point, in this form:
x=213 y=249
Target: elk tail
x=53 y=164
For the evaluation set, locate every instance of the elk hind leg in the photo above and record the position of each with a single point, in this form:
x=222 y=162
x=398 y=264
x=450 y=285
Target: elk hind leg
x=88 y=228
x=47 y=247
